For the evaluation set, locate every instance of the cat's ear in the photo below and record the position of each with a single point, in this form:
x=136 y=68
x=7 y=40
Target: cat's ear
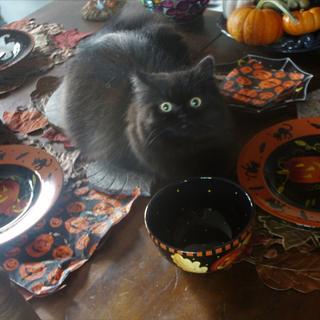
x=206 y=66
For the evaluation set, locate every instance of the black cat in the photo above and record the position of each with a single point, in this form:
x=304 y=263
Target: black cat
x=133 y=98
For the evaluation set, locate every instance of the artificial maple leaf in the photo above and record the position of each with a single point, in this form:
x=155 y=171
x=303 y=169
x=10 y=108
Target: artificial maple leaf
x=53 y=135
x=291 y=236
x=20 y=24
x=292 y=270
x=70 y=38
x=25 y=121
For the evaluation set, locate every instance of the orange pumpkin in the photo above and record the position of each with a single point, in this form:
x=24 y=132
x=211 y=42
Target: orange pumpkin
x=248 y=25
x=296 y=75
x=96 y=195
x=82 y=242
x=62 y=252
x=40 y=246
x=269 y=83
x=32 y=271
x=306 y=21
x=248 y=92
x=10 y=264
x=37 y=288
x=279 y=89
x=289 y=84
x=266 y=95
x=76 y=207
x=55 y=222
x=102 y=208
x=303 y=169
x=280 y=74
x=246 y=69
x=76 y=224
x=262 y=74
x=100 y=228
x=55 y=275
x=243 y=81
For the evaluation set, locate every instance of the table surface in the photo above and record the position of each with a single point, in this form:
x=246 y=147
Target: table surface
x=127 y=278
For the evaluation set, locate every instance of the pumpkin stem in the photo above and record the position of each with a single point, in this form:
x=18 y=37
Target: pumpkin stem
x=282 y=7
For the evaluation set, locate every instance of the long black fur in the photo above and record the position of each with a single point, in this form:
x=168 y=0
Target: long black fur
x=112 y=94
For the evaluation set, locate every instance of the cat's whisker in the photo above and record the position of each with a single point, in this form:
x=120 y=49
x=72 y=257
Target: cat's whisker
x=152 y=135
x=156 y=137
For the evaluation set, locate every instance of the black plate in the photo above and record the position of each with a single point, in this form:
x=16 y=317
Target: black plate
x=15 y=45
x=287 y=44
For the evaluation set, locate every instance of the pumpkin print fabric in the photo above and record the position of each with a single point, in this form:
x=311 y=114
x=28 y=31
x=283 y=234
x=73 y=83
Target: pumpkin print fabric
x=255 y=84
x=64 y=240
x=40 y=260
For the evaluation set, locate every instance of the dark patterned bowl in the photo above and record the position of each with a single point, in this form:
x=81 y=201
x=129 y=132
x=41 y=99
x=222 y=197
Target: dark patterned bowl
x=201 y=224
x=15 y=45
x=179 y=10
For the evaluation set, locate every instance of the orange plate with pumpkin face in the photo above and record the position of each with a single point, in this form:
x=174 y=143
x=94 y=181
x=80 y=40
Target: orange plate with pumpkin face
x=30 y=183
x=280 y=168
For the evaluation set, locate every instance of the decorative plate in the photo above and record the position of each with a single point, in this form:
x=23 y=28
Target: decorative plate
x=30 y=183
x=15 y=45
x=287 y=44
x=280 y=168
x=257 y=84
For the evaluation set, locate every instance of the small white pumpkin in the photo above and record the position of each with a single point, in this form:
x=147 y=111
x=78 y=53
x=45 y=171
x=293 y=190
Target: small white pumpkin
x=231 y=5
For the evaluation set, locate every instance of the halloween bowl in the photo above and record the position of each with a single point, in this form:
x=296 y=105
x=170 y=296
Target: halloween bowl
x=30 y=183
x=200 y=224
x=15 y=45
x=179 y=10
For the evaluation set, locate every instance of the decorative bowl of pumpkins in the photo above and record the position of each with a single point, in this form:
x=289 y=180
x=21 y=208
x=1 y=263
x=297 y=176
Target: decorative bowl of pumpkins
x=287 y=26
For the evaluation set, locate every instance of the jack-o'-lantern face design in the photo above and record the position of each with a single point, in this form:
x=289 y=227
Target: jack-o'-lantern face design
x=9 y=192
x=303 y=169
x=62 y=252
x=32 y=271
x=40 y=246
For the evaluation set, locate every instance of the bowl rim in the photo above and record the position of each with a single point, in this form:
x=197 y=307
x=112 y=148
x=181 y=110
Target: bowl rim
x=51 y=184
x=216 y=249
x=29 y=47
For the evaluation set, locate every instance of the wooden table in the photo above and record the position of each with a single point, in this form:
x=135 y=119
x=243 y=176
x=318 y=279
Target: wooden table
x=127 y=278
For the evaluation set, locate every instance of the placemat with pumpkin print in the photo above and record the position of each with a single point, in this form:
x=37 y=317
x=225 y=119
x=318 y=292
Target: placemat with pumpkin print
x=40 y=260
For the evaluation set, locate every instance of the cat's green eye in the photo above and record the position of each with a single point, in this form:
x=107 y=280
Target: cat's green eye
x=195 y=102
x=166 y=107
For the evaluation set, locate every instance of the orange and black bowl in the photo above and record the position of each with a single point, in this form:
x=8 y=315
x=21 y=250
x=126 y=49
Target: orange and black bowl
x=201 y=224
